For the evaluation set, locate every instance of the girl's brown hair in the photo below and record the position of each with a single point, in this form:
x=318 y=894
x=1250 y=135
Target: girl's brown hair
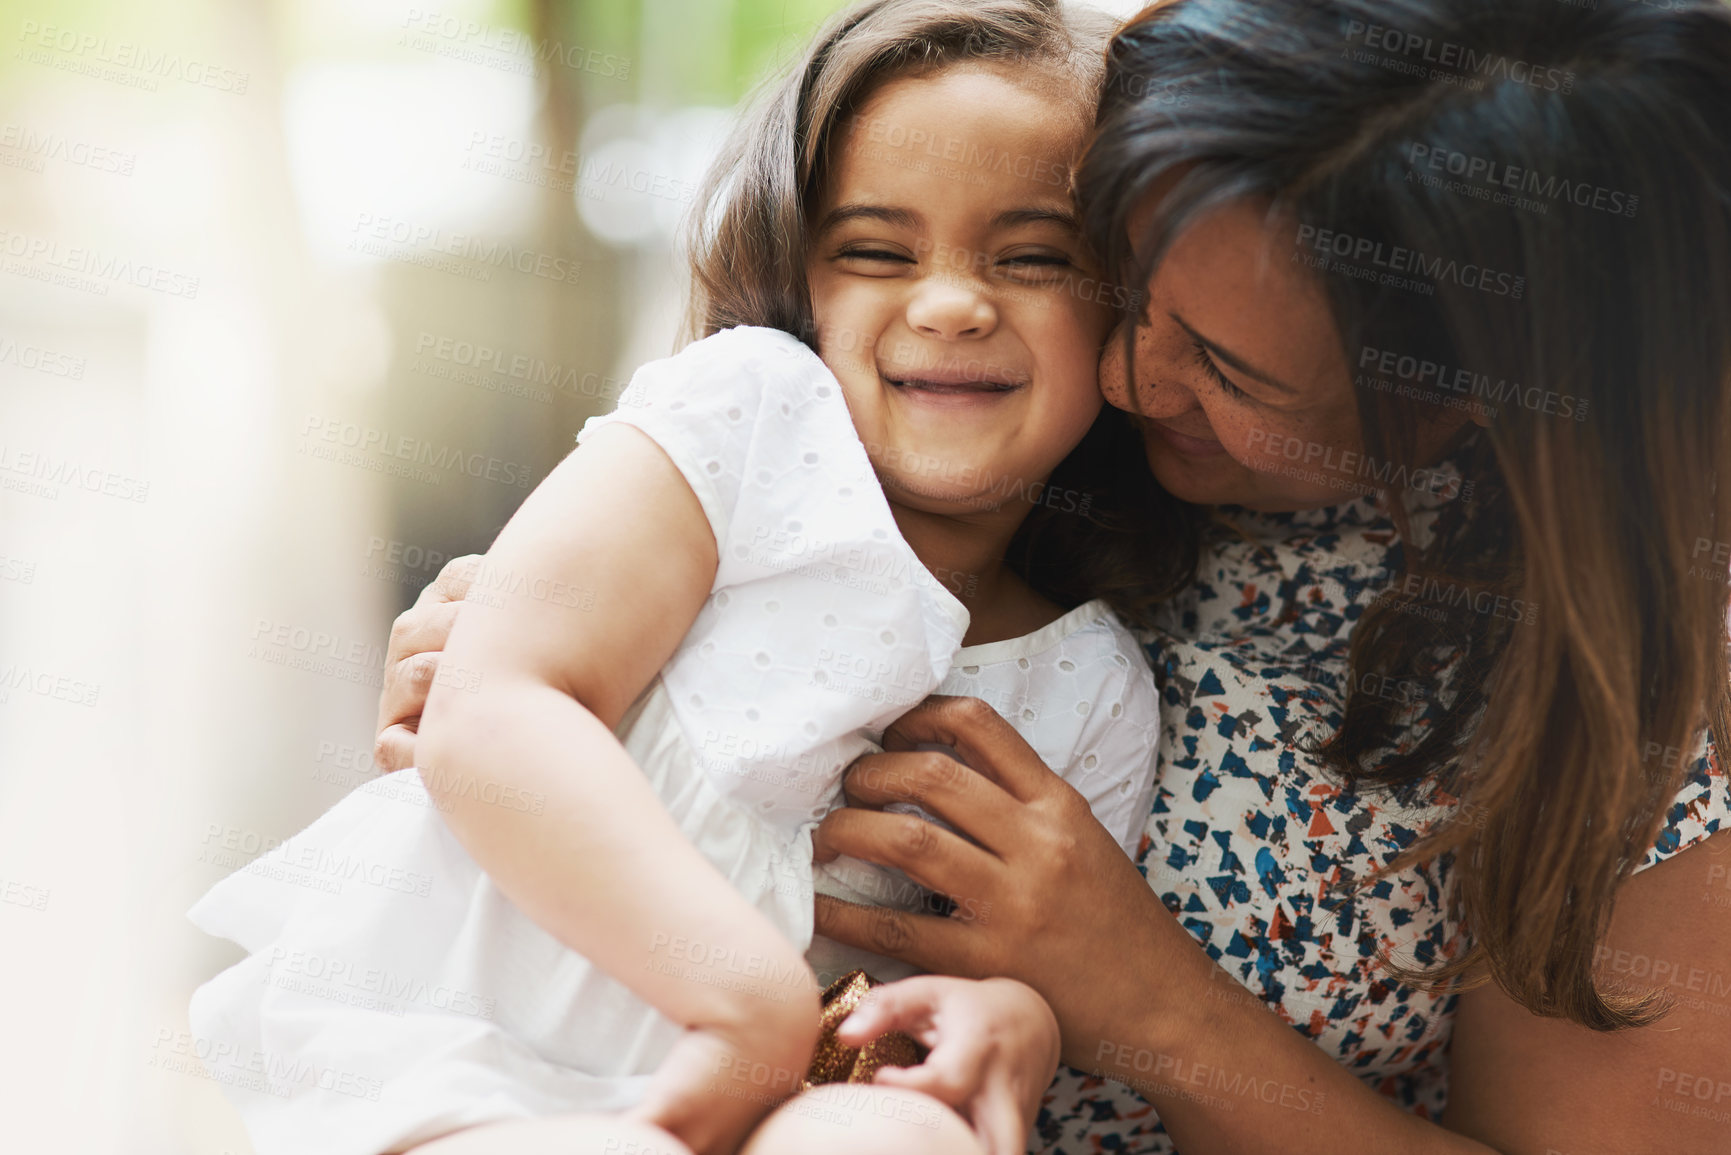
x=1101 y=527
x=1567 y=738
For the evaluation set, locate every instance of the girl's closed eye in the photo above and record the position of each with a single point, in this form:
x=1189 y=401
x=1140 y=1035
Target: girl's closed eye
x=874 y=260
x=1024 y=267
x=1036 y=266
x=871 y=254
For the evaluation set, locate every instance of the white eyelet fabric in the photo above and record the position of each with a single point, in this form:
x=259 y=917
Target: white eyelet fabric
x=381 y=952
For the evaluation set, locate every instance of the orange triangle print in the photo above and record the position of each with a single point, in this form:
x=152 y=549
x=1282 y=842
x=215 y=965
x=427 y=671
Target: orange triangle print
x=1319 y=823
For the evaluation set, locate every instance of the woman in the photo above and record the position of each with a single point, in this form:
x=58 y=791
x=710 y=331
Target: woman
x=1432 y=866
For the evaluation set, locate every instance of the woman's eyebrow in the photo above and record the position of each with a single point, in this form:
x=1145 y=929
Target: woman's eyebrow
x=1233 y=359
x=842 y=213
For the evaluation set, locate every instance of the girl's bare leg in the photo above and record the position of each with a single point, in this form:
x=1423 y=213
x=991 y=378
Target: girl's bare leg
x=557 y=1135
x=862 y=1119
x=841 y=1119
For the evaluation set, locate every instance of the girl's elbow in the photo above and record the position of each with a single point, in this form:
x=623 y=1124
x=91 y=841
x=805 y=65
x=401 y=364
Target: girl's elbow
x=450 y=734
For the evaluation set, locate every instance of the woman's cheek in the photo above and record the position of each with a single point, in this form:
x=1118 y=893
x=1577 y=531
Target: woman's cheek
x=1304 y=462
x=1245 y=438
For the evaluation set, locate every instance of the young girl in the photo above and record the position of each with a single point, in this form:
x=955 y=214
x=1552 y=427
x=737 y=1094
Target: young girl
x=696 y=623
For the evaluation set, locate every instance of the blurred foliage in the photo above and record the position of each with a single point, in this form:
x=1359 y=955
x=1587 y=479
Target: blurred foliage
x=694 y=51
x=769 y=33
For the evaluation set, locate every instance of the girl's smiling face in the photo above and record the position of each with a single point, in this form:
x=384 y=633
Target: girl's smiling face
x=951 y=288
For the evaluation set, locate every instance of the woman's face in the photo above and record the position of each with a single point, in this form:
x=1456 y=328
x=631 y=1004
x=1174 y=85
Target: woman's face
x=1242 y=389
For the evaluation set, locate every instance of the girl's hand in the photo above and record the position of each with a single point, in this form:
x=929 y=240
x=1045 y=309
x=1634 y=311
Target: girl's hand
x=412 y=659
x=994 y=1047
x=1047 y=896
x=716 y=1085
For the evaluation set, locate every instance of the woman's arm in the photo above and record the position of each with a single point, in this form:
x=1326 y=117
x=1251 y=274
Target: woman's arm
x=1061 y=908
x=584 y=597
x=1522 y=1083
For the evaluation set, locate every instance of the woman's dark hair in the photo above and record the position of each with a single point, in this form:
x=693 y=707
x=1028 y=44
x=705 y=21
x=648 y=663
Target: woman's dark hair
x=1100 y=526
x=1559 y=175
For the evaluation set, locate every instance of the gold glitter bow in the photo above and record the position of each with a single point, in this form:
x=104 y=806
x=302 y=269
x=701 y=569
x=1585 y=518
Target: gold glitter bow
x=834 y=1061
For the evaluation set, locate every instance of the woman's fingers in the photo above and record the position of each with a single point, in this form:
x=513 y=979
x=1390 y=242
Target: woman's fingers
x=418 y=637
x=407 y=680
x=401 y=701
x=452 y=584
x=939 y=785
x=926 y=941
x=423 y=628
x=925 y=852
x=981 y=738
x=394 y=749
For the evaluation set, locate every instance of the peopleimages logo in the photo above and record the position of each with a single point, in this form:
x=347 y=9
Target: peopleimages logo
x=38 y=146
x=1467 y=66
x=89 y=269
x=1363 y=257
x=1433 y=380
x=136 y=65
x=1527 y=182
x=1323 y=464
x=352 y=444
x=503 y=49
x=408 y=242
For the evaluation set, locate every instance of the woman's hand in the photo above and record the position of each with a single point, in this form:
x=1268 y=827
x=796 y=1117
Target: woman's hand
x=412 y=659
x=994 y=1047
x=1047 y=896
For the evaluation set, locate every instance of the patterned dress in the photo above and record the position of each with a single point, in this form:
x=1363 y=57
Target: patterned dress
x=1249 y=835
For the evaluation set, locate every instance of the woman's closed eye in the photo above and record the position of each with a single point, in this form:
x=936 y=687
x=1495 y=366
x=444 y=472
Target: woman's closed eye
x=1205 y=361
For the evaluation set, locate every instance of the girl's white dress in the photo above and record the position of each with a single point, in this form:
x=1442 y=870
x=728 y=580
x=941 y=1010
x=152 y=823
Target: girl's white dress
x=392 y=994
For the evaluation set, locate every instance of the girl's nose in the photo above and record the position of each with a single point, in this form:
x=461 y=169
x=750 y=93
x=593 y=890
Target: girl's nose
x=950 y=311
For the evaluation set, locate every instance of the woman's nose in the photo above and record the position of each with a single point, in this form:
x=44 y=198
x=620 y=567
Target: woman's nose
x=1162 y=394
x=949 y=310
x=1158 y=391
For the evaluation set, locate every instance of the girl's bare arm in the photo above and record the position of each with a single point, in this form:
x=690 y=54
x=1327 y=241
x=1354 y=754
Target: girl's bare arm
x=582 y=599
